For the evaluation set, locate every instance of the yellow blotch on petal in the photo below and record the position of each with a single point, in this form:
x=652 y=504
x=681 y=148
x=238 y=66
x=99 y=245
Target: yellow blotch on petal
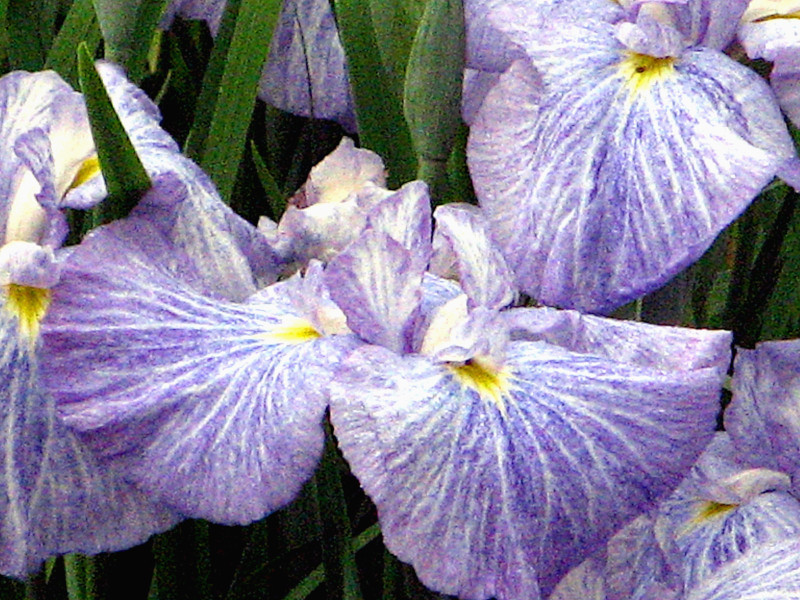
x=490 y=382
x=710 y=509
x=29 y=305
x=88 y=169
x=294 y=331
x=640 y=71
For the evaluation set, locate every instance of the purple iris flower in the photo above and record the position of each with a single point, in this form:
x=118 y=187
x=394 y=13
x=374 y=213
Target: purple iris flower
x=723 y=515
x=503 y=446
x=770 y=29
x=610 y=155
x=174 y=354
x=55 y=495
x=306 y=71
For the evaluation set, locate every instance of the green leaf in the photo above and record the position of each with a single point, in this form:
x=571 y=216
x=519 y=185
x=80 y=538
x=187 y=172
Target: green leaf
x=230 y=89
x=395 y=23
x=128 y=27
x=338 y=556
x=183 y=562
x=125 y=177
x=432 y=93
x=381 y=125
x=275 y=199
x=80 y=25
x=3 y=34
x=314 y=579
x=81 y=574
x=30 y=24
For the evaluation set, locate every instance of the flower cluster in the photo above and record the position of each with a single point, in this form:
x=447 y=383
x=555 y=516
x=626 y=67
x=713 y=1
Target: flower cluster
x=180 y=362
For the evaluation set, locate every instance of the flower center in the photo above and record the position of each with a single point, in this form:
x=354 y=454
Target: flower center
x=490 y=382
x=88 y=169
x=293 y=331
x=641 y=71
x=710 y=509
x=29 y=305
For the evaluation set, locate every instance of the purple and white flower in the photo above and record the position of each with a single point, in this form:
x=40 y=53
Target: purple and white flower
x=610 y=156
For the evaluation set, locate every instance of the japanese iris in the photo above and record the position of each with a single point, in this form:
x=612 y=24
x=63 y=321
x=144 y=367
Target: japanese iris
x=612 y=152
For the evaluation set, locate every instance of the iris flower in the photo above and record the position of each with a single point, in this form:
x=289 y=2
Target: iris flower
x=55 y=495
x=503 y=446
x=770 y=29
x=612 y=153
x=500 y=445
x=728 y=532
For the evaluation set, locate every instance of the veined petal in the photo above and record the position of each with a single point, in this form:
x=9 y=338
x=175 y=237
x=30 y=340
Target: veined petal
x=709 y=23
x=482 y=270
x=624 y=170
x=762 y=418
x=722 y=510
x=642 y=344
x=213 y=407
x=55 y=495
x=377 y=283
x=497 y=497
x=45 y=139
x=306 y=71
x=769 y=572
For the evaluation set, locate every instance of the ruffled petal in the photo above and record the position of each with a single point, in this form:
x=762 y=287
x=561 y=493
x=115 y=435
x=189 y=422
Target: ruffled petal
x=213 y=407
x=55 y=495
x=770 y=572
x=482 y=270
x=761 y=418
x=642 y=344
x=722 y=510
x=610 y=182
x=377 y=284
x=306 y=71
x=498 y=485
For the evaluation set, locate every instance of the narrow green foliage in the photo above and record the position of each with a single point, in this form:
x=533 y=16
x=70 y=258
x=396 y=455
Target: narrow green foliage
x=275 y=199
x=432 y=94
x=81 y=575
x=395 y=23
x=338 y=556
x=128 y=27
x=183 y=563
x=317 y=576
x=4 y=37
x=124 y=174
x=80 y=25
x=381 y=125
x=30 y=26
x=231 y=85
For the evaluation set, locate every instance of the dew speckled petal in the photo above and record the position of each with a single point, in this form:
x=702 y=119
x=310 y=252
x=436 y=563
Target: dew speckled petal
x=482 y=270
x=501 y=487
x=763 y=418
x=213 y=407
x=378 y=284
x=612 y=180
x=769 y=572
x=55 y=495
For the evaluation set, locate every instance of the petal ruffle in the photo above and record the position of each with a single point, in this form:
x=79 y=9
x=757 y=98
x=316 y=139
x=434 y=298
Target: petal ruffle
x=599 y=191
x=55 y=495
x=213 y=407
x=496 y=497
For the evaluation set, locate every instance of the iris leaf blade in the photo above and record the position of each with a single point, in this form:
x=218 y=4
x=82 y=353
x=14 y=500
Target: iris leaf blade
x=232 y=87
x=124 y=174
x=381 y=125
x=80 y=25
